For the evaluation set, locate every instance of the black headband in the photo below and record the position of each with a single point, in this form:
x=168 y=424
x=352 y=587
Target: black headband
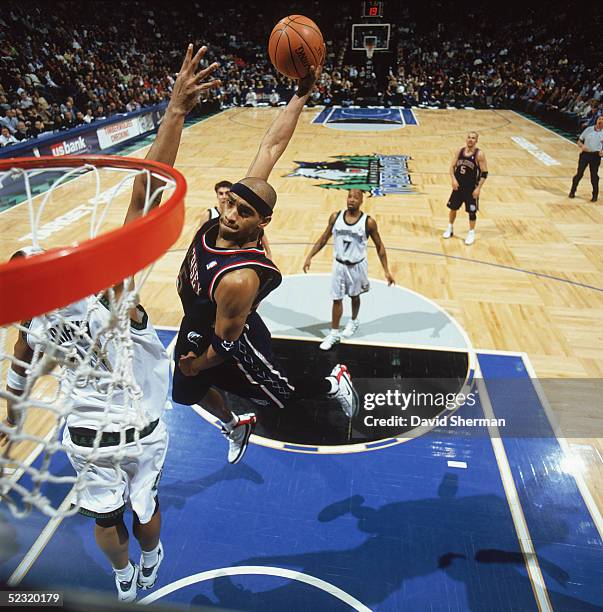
x=252 y=198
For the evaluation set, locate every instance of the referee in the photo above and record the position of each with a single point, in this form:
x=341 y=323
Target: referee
x=591 y=147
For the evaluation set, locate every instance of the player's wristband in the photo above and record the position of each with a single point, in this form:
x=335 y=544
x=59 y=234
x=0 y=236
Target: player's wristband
x=484 y=175
x=15 y=380
x=224 y=348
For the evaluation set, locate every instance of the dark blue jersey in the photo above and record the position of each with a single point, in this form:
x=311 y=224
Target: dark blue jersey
x=466 y=170
x=205 y=265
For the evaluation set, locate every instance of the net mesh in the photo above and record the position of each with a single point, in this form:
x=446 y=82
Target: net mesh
x=78 y=352
x=369 y=46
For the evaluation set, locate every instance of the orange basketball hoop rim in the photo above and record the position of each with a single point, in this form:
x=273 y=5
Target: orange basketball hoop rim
x=32 y=286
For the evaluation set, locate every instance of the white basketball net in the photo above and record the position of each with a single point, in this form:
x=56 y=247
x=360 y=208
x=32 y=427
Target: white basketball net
x=70 y=354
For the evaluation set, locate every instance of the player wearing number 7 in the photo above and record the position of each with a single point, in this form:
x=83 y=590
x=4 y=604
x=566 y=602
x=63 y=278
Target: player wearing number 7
x=350 y=229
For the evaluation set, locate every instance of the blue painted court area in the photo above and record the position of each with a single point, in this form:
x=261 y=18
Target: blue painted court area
x=358 y=119
x=393 y=529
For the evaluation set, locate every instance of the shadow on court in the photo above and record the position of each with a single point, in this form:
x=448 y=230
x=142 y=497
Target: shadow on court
x=407 y=322
x=406 y=540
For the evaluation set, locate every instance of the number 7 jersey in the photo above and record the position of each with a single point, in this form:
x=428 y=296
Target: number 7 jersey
x=350 y=239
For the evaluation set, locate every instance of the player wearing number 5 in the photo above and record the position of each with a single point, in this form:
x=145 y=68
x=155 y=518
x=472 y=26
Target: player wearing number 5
x=350 y=229
x=468 y=172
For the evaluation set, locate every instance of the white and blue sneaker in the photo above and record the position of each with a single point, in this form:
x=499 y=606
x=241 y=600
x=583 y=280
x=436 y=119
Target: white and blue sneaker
x=148 y=575
x=126 y=589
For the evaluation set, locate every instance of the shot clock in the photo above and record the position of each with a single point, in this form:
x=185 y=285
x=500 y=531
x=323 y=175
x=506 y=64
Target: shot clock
x=372 y=8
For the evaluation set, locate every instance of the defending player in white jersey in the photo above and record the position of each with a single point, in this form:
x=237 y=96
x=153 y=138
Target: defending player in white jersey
x=350 y=229
x=97 y=411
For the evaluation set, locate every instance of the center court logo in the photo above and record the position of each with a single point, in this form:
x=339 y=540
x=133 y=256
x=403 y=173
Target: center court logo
x=376 y=174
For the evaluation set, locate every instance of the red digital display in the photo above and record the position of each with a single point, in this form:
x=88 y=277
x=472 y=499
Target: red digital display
x=373 y=8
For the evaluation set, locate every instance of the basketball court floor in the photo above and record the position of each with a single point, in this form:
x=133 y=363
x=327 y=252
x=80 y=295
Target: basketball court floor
x=324 y=515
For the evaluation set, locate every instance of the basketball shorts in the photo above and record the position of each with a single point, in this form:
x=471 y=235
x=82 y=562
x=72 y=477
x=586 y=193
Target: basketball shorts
x=109 y=485
x=463 y=196
x=252 y=372
x=351 y=280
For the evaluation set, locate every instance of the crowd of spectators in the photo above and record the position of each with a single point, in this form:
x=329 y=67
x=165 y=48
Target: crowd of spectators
x=549 y=61
x=69 y=63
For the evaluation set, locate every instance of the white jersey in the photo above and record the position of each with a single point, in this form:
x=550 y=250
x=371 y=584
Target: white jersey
x=350 y=239
x=92 y=402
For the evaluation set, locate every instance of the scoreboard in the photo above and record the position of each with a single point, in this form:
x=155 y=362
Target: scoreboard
x=372 y=8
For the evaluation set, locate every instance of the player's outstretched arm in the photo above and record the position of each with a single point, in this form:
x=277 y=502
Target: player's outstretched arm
x=188 y=87
x=374 y=234
x=279 y=134
x=234 y=298
x=15 y=384
x=483 y=168
x=321 y=242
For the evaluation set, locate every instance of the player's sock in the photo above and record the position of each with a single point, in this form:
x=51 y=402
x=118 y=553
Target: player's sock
x=125 y=574
x=150 y=557
x=450 y=228
x=232 y=423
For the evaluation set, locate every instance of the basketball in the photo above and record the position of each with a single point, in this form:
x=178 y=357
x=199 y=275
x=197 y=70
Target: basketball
x=295 y=44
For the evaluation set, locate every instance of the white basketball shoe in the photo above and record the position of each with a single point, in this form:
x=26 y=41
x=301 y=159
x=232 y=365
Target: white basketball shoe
x=449 y=233
x=126 y=589
x=238 y=436
x=470 y=238
x=345 y=394
x=148 y=575
x=330 y=341
x=350 y=329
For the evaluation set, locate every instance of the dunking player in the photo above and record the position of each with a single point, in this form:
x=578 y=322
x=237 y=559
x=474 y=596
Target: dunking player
x=222 y=189
x=110 y=483
x=223 y=342
x=468 y=172
x=350 y=229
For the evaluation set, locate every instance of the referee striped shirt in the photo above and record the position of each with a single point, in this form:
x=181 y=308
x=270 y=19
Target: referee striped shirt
x=592 y=139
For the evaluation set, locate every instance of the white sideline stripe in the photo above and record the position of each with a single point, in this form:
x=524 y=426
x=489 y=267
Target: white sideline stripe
x=521 y=527
x=255 y=570
x=535 y=151
x=38 y=546
x=589 y=500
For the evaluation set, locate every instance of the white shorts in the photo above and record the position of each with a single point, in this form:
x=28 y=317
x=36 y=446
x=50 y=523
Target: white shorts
x=349 y=280
x=107 y=485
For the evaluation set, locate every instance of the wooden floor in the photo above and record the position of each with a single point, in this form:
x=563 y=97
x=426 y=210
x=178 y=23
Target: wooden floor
x=532 y=282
